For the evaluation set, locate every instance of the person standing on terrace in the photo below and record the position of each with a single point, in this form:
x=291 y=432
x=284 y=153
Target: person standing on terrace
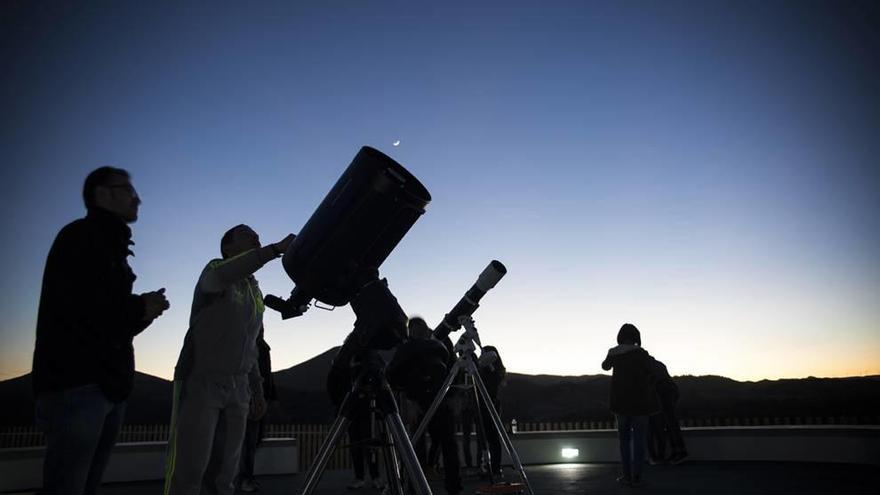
x=83 y=369
x=633 y=399
x=664 y=425
x=217 y=380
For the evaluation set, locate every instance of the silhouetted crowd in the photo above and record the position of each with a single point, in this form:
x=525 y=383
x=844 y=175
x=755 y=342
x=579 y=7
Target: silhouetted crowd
x=83 y=371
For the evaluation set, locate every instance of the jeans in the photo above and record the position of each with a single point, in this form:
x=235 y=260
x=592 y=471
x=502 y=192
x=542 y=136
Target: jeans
x=80 y=425
x=631 y=432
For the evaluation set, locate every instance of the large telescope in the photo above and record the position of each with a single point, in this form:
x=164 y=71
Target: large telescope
x=339 y=250
x=471 y=299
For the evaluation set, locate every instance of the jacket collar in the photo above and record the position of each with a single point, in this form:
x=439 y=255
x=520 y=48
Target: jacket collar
x=112 y=226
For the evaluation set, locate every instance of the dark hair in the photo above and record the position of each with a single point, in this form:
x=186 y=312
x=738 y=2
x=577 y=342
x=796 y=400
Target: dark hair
x=100 y=177
x=629 y=334
x=492 y=348
x=417 y=321
x=227 y=238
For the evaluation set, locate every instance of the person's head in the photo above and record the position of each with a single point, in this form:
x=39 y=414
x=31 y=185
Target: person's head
x=237 y=240
x=629 y=334
x=110 y=189
x=418 y=328
x=490 y=358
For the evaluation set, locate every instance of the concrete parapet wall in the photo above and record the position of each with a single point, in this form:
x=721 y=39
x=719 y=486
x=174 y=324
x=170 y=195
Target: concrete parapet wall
x=21 y=469
x=855 y=445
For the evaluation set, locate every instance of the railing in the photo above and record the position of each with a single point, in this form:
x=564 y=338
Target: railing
x=311 y=436
x=706 y=422
x=309 y=439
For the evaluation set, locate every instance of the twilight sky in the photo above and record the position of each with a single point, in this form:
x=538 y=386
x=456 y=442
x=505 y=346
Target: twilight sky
x=707 y=170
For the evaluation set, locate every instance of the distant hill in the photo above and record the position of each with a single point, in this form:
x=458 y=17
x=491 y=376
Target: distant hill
x=149 y=404
x=525 y=397
x=302 y=392
x=585 y=398
x=307 y=375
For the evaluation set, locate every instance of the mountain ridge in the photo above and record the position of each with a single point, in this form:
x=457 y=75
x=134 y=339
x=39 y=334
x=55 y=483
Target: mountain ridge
x=303 y=399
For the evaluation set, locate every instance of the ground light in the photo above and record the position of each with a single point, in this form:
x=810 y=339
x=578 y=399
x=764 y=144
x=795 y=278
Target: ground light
x=568 y=453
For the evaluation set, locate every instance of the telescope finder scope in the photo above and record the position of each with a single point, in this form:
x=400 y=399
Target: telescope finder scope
x=471 y=299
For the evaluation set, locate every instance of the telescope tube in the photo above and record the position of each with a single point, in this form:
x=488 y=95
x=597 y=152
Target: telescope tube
x=471 y=299
x=368 y=211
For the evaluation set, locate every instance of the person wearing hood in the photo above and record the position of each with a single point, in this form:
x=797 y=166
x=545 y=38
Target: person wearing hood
x=633 y=399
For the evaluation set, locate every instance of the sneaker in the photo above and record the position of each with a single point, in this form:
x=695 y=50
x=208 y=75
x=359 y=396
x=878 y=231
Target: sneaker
x=356 y=484
x=624 y=480
x=678 y=458
x=249 y=485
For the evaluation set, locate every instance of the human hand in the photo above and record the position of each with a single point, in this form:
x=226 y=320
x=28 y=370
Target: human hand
x=281 y=246
x=155 y=304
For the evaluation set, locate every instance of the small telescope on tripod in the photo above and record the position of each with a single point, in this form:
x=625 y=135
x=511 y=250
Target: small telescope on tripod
x=466 y=364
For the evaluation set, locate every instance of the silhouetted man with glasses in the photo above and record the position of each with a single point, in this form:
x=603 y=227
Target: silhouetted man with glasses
x=83 y=365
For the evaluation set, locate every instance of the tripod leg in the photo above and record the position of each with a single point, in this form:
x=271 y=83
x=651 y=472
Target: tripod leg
x=437 y=400
x=392 y=464
x=484 y=452
x=496 y=420
x=326 y=450
x=407 y=454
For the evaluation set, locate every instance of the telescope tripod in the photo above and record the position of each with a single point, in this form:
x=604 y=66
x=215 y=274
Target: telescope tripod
x=372 y=386
x=465 y=363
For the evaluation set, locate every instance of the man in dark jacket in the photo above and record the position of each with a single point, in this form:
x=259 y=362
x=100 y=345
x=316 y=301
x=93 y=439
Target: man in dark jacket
x=419 y=367
x=633 y=399
x=83 y=365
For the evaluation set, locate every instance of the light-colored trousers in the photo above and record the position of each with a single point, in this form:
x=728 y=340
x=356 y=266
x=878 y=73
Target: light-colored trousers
x=208 y=421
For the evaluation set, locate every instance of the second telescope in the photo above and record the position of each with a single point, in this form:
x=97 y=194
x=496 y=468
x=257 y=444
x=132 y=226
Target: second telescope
x=471 y=299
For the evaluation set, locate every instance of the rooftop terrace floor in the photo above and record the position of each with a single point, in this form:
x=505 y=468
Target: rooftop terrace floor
x=585 y=479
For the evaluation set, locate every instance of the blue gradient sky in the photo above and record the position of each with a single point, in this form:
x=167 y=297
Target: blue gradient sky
x=705 y=170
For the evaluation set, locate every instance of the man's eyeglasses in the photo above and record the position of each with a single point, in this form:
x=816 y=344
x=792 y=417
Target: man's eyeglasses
x=125 y=187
